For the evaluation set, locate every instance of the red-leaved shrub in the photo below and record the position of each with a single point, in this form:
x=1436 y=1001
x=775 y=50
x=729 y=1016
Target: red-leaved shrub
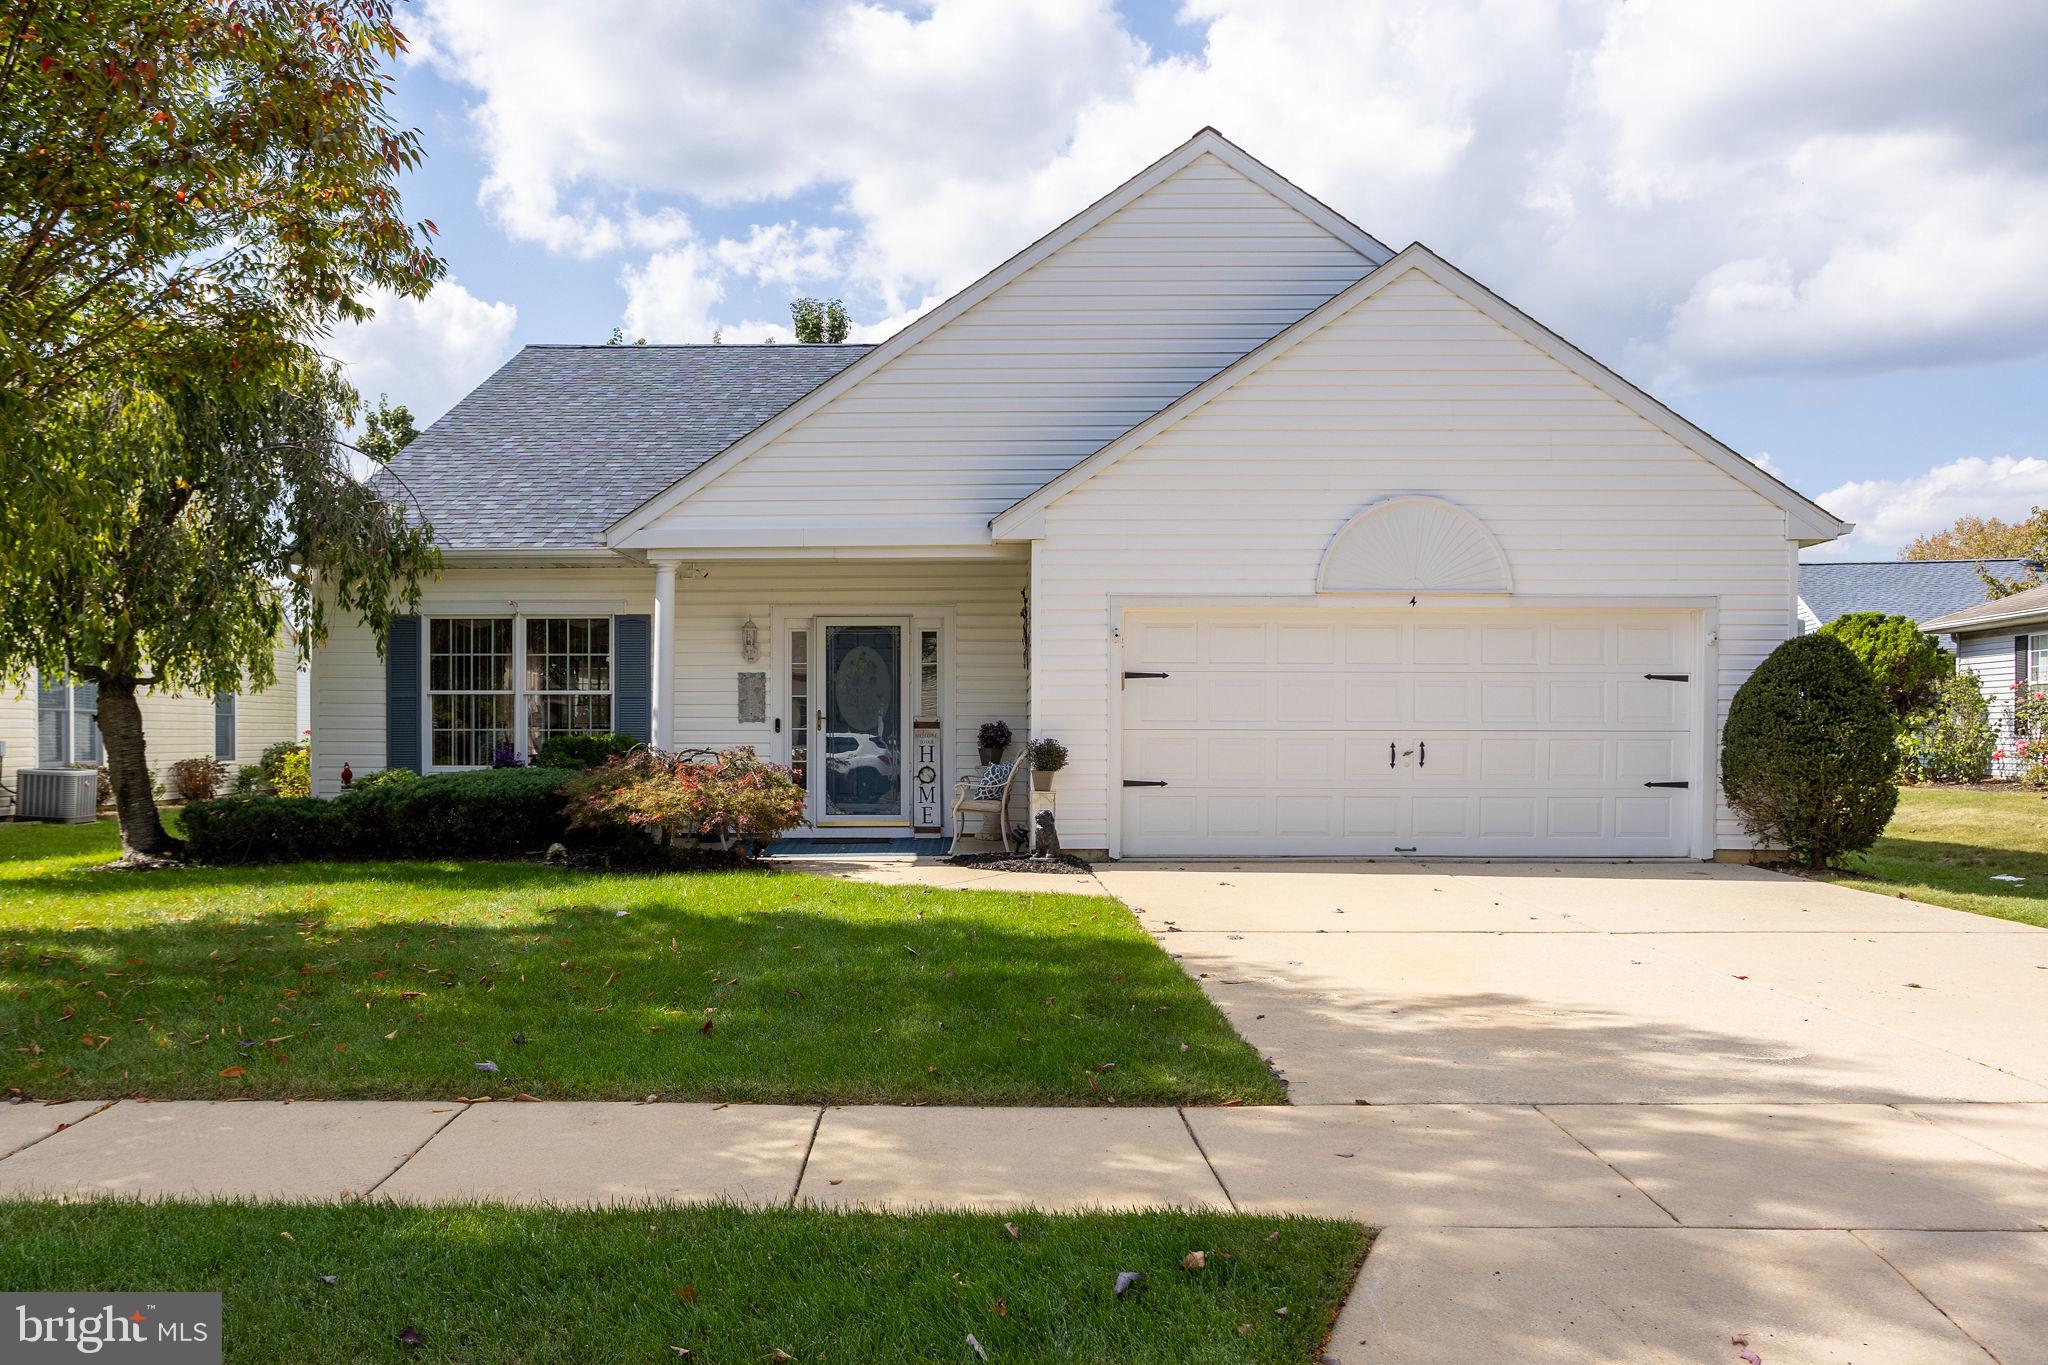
x=727 y=798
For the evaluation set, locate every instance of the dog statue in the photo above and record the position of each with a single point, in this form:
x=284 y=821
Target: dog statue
x=1048 y=837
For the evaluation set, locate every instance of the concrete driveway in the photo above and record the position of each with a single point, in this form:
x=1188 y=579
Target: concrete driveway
x=1614 y=1112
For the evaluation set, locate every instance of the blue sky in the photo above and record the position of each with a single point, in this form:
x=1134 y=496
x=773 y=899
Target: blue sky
x=1821 y=233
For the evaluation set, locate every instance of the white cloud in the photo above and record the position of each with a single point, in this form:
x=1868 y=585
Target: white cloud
x=425 y=353
x=1694 y=190
x=1890 y=512
x=673 y=296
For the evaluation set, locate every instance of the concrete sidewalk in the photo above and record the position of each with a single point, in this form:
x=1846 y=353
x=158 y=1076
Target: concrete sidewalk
x=1820 y=1232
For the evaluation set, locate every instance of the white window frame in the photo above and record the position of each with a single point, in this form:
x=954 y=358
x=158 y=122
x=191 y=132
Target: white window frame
x=521 y=694
x=428 y=691
x=2037 y=657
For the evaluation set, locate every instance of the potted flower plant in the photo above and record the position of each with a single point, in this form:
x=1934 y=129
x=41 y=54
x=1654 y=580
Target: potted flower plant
x=1048 y=756
x=992 y=739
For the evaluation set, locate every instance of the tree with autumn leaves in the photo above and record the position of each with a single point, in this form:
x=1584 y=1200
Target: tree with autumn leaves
x=192 y=194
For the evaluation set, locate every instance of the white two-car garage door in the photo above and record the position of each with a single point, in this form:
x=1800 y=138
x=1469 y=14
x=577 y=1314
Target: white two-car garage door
x=1322 y=732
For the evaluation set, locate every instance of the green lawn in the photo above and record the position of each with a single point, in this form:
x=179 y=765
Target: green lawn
x=489 y=1282
x=1944 y=844
x=390 y=980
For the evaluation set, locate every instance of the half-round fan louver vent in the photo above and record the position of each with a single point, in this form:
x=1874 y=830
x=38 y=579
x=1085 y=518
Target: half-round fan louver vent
x=1411 y=544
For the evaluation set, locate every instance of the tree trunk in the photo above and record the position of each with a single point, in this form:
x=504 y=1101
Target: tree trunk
x=142 y=830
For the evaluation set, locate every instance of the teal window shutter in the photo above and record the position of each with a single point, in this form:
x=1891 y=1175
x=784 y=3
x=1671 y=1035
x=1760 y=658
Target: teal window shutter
x=633 y=677
x=402 y=694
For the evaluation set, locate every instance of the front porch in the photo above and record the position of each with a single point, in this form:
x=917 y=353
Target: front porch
x=867 y=675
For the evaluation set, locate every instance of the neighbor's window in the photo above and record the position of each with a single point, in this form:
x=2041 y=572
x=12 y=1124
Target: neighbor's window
x=568 y=677
x=67 y=724
x=469 y=686
x=224 y=725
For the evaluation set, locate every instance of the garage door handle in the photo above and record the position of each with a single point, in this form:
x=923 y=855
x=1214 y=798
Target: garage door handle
x=1422 y=753
x=1667 y=784
x=1390 y=753
x=1132 y=782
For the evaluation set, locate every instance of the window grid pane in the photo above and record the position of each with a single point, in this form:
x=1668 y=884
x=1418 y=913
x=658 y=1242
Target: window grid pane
x=469 y=677
x=568 y=677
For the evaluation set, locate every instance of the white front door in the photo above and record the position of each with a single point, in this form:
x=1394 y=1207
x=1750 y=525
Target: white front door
x=1317 y=732
x=861 y=682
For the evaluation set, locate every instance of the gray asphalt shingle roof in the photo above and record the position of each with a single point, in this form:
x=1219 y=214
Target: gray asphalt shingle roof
x=564 y=440
x=1921 y=589
x=2023 y=607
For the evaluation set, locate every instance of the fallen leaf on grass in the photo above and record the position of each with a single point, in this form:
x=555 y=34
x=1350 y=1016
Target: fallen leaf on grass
x=977 y=1346
x=234 y=1070
x=687 y=1293
x=411 y=1336
x=779 y=1355
x=1127 y=1280
x=1001 y=1308
x=1244 y=1329
x=329 y=1279
x=1194 y=1260
x=485 y=1066
x=1013 y=1230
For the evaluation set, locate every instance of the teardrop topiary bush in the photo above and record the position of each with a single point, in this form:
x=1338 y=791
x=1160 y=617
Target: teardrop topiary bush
x=1807 y=756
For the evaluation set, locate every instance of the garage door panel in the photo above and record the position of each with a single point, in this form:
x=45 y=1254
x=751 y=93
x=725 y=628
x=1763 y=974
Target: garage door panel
x=1339 y=733
x=1374 y=701
x=1380 y=645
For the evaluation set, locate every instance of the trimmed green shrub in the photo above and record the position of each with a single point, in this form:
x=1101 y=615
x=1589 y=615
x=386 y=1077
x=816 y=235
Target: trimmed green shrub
x=1905 y=662
x=1953 y=739
x=495 y=813
x=582 y=751
x=250 y=781
x=258 y=829
x=1808 y=753
x=383 y=776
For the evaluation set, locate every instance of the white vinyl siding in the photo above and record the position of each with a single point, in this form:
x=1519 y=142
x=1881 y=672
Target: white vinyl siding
x=1413 y=391
x=1162 y=294
x=1989 y=657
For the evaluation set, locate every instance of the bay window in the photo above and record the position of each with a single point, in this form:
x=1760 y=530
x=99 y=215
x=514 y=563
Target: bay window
x=519 y=681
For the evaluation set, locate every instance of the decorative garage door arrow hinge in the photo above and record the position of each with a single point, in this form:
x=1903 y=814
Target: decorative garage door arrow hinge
x=1668 y=677
x=1129 y=675
x=1667 y=784
x=1134 y=782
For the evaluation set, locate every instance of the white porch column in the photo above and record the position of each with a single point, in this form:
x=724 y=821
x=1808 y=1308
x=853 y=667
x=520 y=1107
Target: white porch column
x=664 y=649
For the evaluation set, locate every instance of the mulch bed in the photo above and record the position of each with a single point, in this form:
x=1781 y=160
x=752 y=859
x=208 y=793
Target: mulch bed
x=1062 y=864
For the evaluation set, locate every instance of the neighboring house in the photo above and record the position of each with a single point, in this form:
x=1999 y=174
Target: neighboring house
x=53 y=723
x=1921 y=589
x=1302 y=545
x=2005 y=643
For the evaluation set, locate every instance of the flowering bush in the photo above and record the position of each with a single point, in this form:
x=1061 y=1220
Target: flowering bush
x=506 y=755
x=994 y=734
x=729 y=798
x=2030 y=734
x=1953 y=739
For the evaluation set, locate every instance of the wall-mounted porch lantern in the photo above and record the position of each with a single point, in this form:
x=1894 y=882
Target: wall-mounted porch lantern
x=750 y=640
